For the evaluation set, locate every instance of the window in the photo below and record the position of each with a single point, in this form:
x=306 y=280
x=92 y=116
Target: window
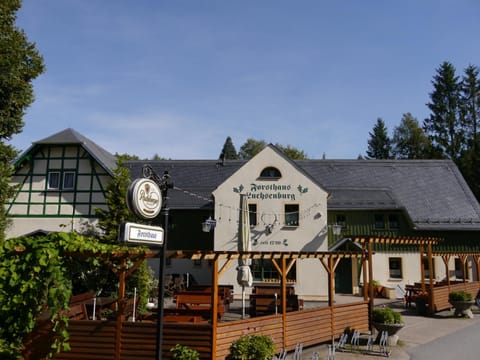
x=393 y=221
x=395 y=267
x=54 y=180
x=379 y=222
x=271 y=172
x=291 y=215
x=427 y=269
x=459 y=269
x=252 y=214
x=264 y=270
x=68 y=180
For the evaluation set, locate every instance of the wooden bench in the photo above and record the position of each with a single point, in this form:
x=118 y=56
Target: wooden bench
x=224 y=291
x=77 y=312
x=198 y=303
x=261 y=304
x=272 y=290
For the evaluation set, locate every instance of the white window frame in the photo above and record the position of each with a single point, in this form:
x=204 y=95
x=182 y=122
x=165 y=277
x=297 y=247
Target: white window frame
x=51 y=186
x=65 y=174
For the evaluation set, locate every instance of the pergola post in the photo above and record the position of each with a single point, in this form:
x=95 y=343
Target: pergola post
x=121 y=298
x=330 y=268
x=214 y=305
x=364 y=274
x=422 y=268
x=476 y=258
x=370 y=275
x=463 y=259
x=446 y=260
x=431 y=299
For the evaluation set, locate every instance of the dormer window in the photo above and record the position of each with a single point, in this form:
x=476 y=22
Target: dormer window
x=270 y=173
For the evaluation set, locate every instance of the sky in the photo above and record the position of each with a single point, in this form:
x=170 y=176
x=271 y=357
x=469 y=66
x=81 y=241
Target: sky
x=175 y=78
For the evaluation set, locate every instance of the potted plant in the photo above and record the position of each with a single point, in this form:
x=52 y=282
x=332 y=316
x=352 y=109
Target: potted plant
x=182 y=352
x=252 y=347
x=462 y=301
x=387 y=319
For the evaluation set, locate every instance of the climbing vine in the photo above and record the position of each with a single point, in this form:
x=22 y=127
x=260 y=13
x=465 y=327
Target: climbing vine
x=35 y=281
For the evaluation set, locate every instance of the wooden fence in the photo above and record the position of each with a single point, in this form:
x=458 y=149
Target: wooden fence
x=440 y=293
x=97 y=340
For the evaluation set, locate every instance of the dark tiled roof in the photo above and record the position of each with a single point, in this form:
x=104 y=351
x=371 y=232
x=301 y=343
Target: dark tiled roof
x=194 y=180
x=70 y=136
x=432 y=192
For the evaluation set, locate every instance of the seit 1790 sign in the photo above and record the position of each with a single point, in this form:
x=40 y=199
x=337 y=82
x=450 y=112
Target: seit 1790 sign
x=144 y=199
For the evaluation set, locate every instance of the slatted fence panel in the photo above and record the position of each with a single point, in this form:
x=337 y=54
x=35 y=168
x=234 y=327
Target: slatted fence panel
x=228 y=332
x=351 y=316
x=308 y=327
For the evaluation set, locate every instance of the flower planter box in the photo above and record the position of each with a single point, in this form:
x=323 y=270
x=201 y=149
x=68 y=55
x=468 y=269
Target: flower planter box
x=463 y=308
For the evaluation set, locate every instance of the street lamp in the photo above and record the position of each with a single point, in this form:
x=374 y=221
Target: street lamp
x=165 y=182
x=208 y=225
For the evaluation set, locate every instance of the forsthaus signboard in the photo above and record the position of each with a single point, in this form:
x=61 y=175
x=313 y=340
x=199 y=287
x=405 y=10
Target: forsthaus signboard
x=142 y=234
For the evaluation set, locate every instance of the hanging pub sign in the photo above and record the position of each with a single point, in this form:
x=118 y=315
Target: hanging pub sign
x=144 y=198
x=141 y=234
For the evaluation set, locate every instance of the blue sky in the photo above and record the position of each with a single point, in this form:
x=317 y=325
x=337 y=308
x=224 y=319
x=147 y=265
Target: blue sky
x=176 y=77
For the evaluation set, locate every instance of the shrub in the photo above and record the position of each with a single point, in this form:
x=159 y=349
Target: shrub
x=182 y=352
x=460 y=296
x=386 y=315
x=252 y=347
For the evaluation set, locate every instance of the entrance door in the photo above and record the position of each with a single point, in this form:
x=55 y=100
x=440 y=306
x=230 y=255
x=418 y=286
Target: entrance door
x=343 y=277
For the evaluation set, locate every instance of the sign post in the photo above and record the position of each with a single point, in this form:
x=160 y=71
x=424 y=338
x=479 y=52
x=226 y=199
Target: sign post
x=145 y=198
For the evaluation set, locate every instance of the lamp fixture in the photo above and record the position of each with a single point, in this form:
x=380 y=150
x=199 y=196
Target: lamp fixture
x=337 y=229
x=209 y=224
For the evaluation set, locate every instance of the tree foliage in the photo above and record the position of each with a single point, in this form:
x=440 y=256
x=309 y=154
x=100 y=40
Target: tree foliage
x=379 y=144
x=292 y=152
x=250 y=148
x=20 y=64
x=109 y=221
x=409 y=140
x=36 y=281
x=444 y=126
x=228 y=151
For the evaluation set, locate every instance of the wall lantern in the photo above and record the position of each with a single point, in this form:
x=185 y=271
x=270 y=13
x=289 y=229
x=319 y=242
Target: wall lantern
x=337 y=229
x=208 y=225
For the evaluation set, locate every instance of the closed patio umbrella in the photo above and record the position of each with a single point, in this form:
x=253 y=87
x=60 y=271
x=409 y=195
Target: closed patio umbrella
x=244 y=273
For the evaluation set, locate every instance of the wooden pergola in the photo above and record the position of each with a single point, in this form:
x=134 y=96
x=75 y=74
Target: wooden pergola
x=283 y=263
x=368 y=242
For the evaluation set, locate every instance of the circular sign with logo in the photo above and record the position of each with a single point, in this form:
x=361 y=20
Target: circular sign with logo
x=144 y=198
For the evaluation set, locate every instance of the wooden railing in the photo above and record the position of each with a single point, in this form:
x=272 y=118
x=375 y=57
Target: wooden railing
x=441 y=293
x=97 y=340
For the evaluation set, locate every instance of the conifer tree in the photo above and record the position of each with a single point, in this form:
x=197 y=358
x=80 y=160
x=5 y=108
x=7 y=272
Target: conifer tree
x=379 y=144
x=444 y=126
x=228 y=151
